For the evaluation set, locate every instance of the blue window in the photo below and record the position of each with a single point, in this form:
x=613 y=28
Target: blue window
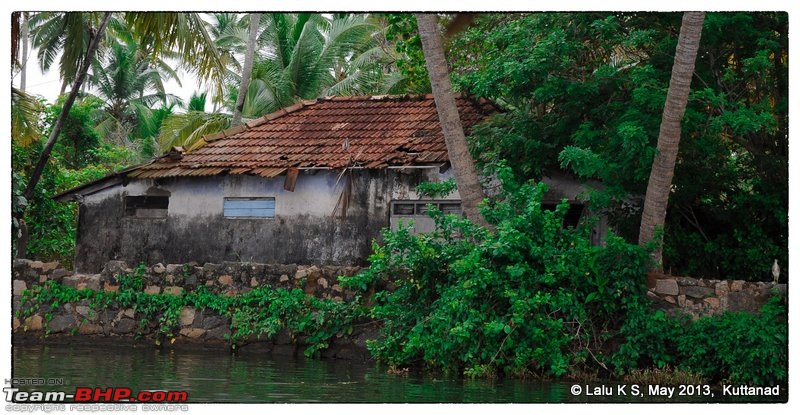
x=249 y=207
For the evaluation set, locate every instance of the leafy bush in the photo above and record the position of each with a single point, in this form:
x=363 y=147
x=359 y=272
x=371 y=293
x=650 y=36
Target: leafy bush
x=740 y=347
x=534 y=298
x=734 y=347
x=530 y=298
x=437 y=189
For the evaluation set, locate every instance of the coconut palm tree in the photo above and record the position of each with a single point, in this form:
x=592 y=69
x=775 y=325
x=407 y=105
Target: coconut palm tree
x=310 y=55
x=229 y=32
x=95 y=38
x=22 y=58
x=304 y=56
x=130 y=83
x=78 y=36
x=247 y=69
x=457 y=151
x=67 y=34
x=669 y=135
x=184 y=35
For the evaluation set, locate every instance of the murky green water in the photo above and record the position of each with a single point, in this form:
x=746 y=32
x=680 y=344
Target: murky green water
x=258 y=377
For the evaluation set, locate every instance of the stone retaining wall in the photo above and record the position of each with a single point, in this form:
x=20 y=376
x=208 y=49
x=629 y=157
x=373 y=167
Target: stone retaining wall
x=196 y=326
x=701 y=297
x=228 y=278
x=696 y=297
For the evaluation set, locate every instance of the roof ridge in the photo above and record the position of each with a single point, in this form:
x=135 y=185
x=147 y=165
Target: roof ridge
x=392 y=97
x=383 y=97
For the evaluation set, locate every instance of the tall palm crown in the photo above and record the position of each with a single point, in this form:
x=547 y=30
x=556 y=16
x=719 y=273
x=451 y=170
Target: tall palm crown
x=67 y=34
x=229 y=33
x=308 y=55
x=131 y=83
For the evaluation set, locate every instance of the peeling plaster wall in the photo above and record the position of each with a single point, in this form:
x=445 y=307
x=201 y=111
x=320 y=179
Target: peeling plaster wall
x=303 y=231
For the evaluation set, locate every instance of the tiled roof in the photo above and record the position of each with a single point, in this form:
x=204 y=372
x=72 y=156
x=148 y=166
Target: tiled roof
x=336 y=132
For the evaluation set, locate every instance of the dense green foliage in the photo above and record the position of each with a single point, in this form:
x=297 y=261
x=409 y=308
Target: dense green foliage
x=739 y=348
x=535 y=298
x=402 y=30
x=78 y=157
x=585 y=91
x=530 y=298
x=260 y=313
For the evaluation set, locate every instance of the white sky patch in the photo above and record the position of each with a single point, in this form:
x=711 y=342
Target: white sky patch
x=48 y=84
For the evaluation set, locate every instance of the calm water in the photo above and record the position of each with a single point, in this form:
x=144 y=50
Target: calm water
x=258 y=377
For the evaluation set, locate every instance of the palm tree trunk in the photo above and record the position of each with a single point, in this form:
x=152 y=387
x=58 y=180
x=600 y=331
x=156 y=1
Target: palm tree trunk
x=457 y=151
x=669 y=135
x=51 y=141
x=247 y=69
x=24 y=58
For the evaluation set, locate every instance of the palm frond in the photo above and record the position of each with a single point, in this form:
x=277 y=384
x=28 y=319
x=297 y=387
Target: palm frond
x=393 y=83
x=25 y=113
x=302 y=68
x=185 y=33
x=77 y=37
x=260 y=100
x=146 y=121
x=187 y=129
x=197 y=102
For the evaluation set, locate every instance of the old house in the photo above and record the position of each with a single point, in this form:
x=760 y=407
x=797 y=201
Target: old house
x=312 y=183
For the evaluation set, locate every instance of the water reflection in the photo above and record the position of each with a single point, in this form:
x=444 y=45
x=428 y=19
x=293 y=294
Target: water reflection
x=259 y=377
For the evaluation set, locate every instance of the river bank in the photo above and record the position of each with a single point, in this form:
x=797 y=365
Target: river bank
x=281 y=310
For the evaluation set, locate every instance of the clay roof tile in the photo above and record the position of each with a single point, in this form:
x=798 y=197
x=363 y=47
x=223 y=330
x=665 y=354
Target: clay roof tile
x=379 y=131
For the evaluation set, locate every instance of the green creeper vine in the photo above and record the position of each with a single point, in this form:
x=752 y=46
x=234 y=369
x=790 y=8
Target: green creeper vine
x=260 y=313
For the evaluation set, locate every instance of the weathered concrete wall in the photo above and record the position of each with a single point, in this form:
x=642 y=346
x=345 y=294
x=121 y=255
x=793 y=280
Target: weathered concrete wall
x=700 y=297
x=197 y=327
x=304 y=229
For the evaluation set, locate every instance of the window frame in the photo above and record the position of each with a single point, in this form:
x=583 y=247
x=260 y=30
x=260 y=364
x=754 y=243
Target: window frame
x=421 y=206
x=128 y=207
